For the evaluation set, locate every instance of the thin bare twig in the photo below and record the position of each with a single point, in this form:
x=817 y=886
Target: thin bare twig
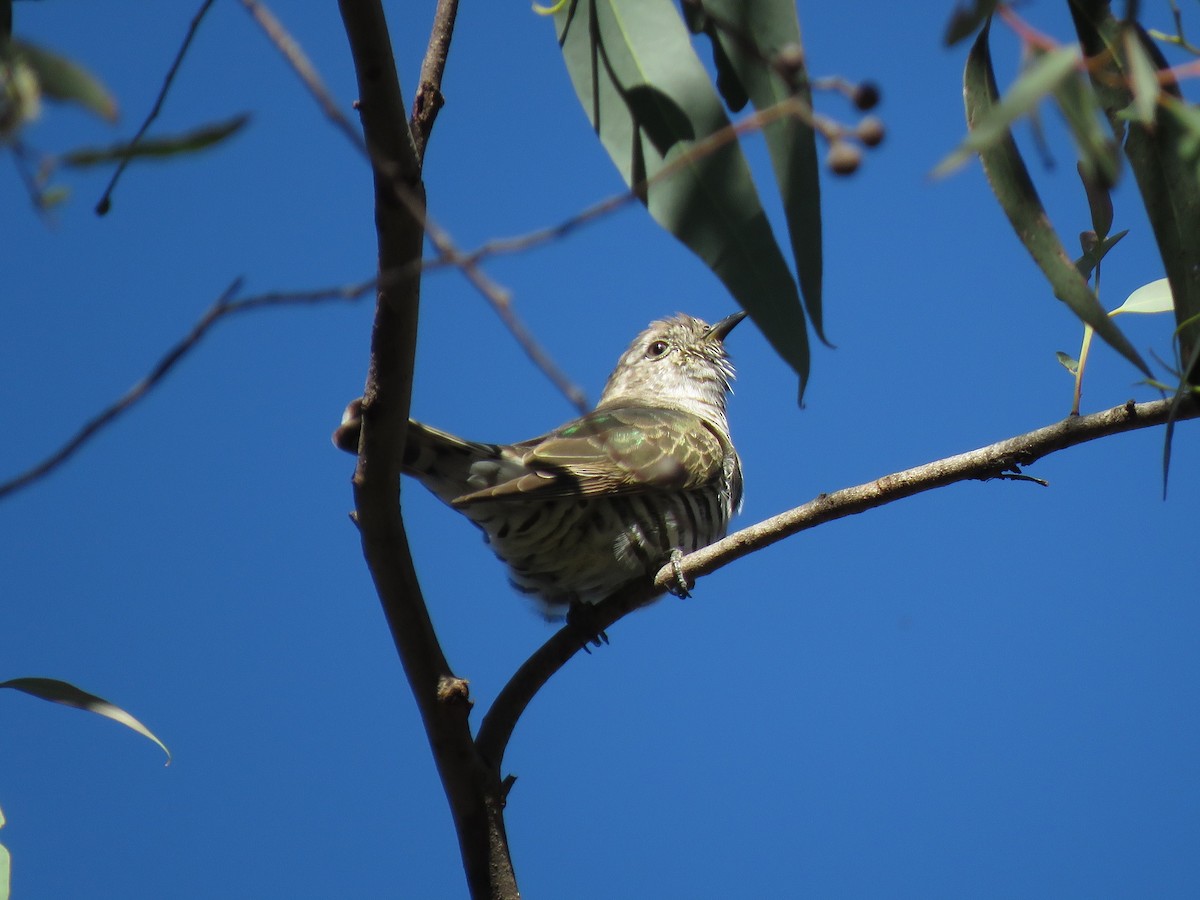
x=397 y=177
x=224 y=307
x=429 y=100
x=295 y=56
x=999 y=460
x=105 y=202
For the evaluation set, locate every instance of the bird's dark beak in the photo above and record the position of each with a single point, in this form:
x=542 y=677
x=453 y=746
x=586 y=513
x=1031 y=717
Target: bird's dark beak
x=721 y=330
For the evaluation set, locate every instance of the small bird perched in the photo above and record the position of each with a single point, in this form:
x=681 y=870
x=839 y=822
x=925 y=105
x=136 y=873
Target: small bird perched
x=612 y=496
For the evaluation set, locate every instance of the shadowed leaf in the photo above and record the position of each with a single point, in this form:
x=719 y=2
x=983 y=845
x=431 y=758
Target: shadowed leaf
x=618 y=49
x=1096 y=250
x=751 y=35
x=1162 y=154
x=964 y=21
x=157 y=148
x=1099 y=161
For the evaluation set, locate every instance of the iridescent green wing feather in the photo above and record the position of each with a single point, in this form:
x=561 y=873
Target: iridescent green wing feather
x=615 y=451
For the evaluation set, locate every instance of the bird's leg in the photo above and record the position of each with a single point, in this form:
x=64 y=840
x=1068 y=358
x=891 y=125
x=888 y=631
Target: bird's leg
x=680 y=588
x=582 y=617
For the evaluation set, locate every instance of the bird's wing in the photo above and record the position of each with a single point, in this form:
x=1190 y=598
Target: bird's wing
x=623 y=450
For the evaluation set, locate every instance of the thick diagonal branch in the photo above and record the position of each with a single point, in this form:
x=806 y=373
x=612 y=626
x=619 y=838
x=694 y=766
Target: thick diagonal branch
x=998 y=460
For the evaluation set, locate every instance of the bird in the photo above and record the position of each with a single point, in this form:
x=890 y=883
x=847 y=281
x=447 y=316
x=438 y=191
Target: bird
x=610 y=497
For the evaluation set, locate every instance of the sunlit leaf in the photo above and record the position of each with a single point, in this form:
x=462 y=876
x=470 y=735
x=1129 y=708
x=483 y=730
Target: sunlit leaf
x=157 y=148
x=1154 y=297
x=66 y=694
x=66 y=81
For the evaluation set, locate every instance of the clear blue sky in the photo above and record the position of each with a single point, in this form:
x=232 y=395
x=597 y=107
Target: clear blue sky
x=986 y=691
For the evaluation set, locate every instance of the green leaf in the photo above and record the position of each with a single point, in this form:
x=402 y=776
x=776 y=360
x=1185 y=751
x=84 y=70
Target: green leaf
x=63 y=80
x=992 y=124
x=1162 y=155
x=1099 y=200
x=1143 y=81
x=964 y=21
x=1099 y=162
x=1154 y=297
x=66 y=694
x=157 y=148
x=728 y=83
x=615 y=49
x=1094 y=251
x=1070 y=363
x=1010 y=181
x=769 y=26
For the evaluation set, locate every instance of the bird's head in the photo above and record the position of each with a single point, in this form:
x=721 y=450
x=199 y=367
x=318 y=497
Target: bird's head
x=678 y=362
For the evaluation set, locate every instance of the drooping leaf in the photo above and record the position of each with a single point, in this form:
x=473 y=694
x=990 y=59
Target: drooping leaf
x=749 y=35
x=706 y=198
x=733 y=92
x=1010 y=181
x=1099 y=160
x=1154 y=297
x=1099 y=199
x=66 y=81
x=992 y=124
x=1162 y=154
x=67 y=694
x=192 y=141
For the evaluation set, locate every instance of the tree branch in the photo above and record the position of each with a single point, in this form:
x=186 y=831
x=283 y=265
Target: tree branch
x=224 y=307
x=474 y=790
x=429 y=100
x=999 y=460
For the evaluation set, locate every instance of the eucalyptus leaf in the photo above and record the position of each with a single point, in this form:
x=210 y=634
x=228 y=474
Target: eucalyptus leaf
x=1154 y=297
x=65 y=80
x=1010 y=182
x=66 y=694
x=193 y=141
x=650 y=100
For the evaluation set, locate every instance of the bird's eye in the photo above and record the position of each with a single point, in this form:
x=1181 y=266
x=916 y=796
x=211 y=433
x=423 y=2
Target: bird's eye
x=657 y=349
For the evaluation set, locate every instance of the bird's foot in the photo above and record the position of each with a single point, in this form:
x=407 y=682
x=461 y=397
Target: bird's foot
x=680 y=588
x=582 y=618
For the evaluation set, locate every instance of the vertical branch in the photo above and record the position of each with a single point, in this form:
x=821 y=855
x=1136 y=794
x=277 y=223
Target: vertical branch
x=472 y=788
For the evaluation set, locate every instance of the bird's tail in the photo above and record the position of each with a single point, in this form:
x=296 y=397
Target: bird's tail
x=440 y=461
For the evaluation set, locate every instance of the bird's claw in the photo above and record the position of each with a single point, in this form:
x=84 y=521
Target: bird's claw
x=581 y=617
x=680 y=588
